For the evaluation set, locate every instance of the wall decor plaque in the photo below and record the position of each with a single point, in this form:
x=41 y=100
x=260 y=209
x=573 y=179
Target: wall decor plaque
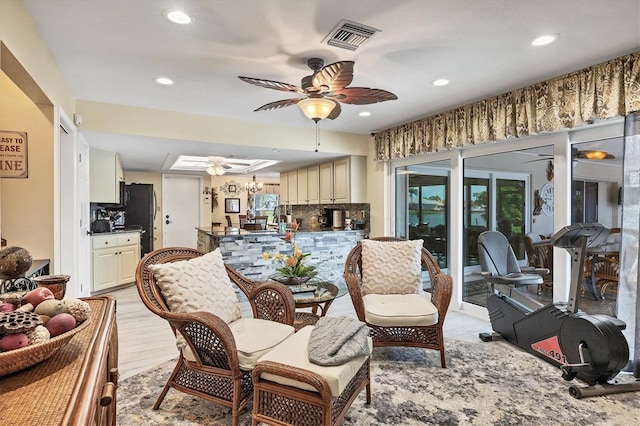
x=13 y=154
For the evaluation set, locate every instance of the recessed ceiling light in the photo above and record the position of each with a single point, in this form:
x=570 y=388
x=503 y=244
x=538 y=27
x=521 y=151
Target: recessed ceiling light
x=364 y=113
x=544 y=40
x=179 y=17
x=440 y=82
x=165 y=81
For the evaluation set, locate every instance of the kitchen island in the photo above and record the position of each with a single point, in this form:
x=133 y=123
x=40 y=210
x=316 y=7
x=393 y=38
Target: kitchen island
x=242 y=250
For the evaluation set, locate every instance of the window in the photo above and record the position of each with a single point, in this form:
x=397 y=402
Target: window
x=584 y=207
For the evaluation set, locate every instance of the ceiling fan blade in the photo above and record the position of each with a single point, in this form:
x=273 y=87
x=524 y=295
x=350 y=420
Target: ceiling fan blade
x=336 y=110
x=216 y=160
x=361 y=95
x=278 y=104
x=334 y=76
x=271 y=84
x=538 y=159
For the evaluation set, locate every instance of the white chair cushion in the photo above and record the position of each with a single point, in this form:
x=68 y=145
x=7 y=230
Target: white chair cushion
x=392 y=267
x=393 y=310
x=198 y=284
x=253 y=337
x=294 y=352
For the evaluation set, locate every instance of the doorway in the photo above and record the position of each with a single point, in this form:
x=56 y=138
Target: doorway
x=180 y=210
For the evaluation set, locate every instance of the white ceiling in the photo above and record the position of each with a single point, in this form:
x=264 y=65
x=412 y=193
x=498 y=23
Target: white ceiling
x=110 y=51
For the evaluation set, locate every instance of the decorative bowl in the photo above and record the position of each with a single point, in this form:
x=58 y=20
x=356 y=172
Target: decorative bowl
x=290 y=280
x=19 y=359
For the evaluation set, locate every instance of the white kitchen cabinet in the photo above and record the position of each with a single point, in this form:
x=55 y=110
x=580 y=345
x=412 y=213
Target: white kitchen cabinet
x=313 y=185
x=289 y=187
x=343 y=181
x=105 y=175
x=302 y=186
x=284 y=188
x=293 y=186
x=326 y=183
x=309 y=185
x=115 y=257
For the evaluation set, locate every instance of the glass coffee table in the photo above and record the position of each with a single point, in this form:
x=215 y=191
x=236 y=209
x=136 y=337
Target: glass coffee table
x=316 y=296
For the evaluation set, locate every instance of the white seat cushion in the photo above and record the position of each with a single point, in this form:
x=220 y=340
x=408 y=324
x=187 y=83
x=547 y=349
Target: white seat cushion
x=253 y=337
x=392 y=310
x=294 y=352
x=391 y=267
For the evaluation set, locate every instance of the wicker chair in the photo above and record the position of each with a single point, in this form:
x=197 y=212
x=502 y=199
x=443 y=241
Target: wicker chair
x=607 y=274
x=429 y=336
x=215 y=374
x=540 y=256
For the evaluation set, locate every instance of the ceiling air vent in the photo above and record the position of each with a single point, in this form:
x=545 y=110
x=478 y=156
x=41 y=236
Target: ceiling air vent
x=350 y=35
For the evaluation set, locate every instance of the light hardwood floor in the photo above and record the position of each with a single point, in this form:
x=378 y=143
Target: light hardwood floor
x=145 y=340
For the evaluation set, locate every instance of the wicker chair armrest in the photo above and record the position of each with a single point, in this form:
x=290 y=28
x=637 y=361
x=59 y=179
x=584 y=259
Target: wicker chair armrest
x=294 y=373
x=274 y=302
x=441 y=290
x=355 y=291
x=209 y=338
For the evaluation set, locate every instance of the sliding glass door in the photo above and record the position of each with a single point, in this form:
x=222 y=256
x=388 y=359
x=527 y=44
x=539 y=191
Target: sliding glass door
x=422 y=210
x=510 y=212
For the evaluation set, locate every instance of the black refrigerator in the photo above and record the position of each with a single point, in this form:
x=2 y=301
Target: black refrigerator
x=140 y=208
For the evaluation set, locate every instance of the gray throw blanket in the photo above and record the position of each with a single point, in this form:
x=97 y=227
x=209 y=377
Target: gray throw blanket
x=336 y=340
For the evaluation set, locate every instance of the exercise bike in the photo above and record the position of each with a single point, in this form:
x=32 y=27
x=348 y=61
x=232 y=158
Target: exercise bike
x=589 y=347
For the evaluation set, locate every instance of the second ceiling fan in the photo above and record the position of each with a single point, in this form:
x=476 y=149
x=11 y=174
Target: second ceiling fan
x=324 y=90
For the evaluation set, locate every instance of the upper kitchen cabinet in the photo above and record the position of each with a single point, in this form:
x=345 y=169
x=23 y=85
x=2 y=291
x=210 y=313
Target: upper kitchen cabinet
x=309 y=185
x=105 y=175
x=343 y=181
x=289 y=187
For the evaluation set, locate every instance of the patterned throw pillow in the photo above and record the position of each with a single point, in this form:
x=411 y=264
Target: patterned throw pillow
x=391 y=267
x=198 y=284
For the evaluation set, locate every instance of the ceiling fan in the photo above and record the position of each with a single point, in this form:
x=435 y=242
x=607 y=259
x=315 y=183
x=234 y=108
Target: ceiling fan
x=324 y=90
x=581 y=155
x=219 y=165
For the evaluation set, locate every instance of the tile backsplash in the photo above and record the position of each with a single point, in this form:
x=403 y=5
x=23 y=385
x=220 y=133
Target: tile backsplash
x=351 y=210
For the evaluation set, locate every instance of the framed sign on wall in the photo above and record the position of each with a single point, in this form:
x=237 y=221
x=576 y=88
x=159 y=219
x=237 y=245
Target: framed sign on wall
x=13 y=154
x=232 y=205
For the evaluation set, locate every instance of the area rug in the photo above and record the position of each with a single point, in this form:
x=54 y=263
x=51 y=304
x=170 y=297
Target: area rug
x=491 y=383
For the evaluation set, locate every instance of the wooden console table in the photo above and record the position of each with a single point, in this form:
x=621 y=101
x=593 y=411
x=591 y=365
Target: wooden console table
x=76 y=385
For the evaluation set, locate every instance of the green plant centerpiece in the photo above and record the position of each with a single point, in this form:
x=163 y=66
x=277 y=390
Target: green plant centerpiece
x=292 y=271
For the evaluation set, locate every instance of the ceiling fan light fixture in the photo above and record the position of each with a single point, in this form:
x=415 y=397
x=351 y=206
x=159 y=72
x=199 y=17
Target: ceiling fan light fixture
x=216 y=170
x=595 y=155
x=316 y=108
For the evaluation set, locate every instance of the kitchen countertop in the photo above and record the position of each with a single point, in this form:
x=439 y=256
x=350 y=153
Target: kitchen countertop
x=120 y=231
x=268 y=232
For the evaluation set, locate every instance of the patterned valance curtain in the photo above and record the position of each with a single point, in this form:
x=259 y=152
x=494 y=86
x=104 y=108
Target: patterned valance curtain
x=599 y=92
